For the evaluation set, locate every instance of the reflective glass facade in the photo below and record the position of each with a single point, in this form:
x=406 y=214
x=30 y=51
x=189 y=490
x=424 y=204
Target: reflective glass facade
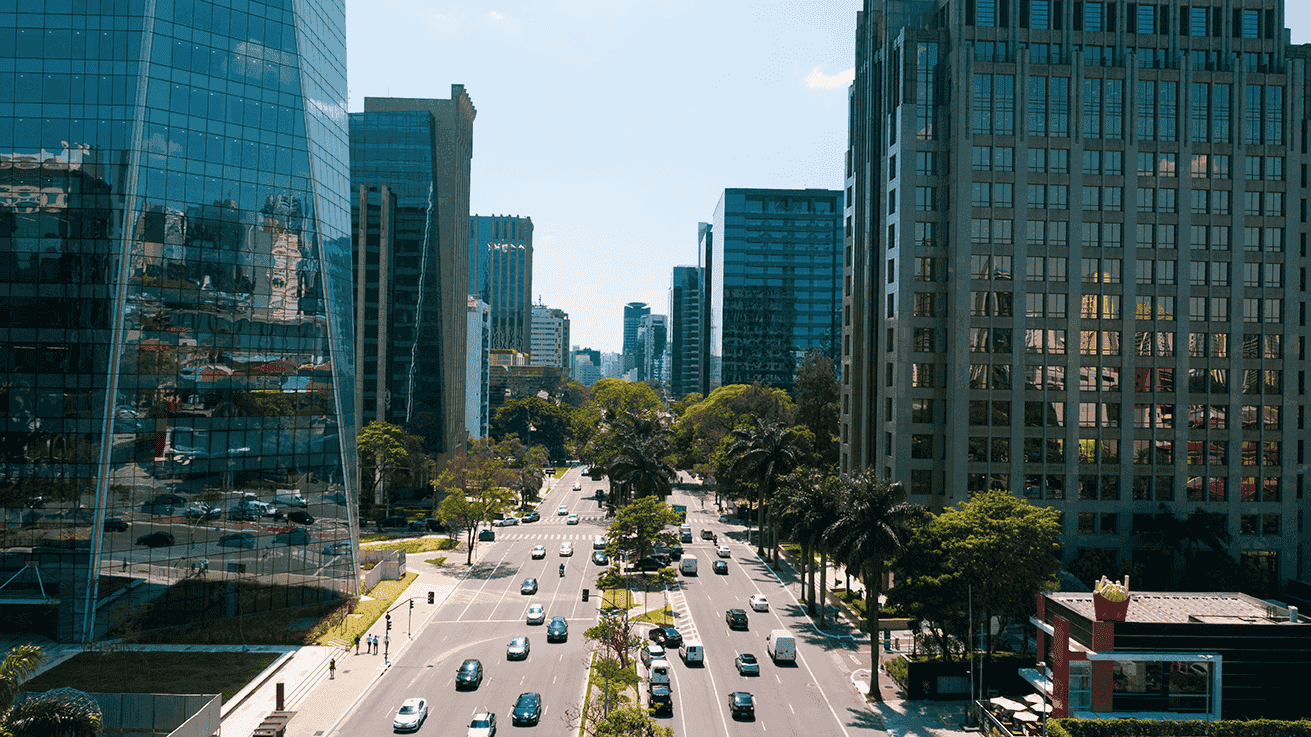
x=174 y=312
x=501 y=274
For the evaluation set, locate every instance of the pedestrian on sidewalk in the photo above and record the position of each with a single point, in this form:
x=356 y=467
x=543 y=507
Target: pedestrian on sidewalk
x=373 y=644
x=332 y=669
x=357 y=644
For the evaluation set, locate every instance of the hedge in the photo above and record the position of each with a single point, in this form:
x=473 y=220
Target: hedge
x=1189 y=728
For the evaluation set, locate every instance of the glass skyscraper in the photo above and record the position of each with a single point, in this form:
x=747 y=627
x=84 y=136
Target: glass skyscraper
x=175 y=275
x=501 y=274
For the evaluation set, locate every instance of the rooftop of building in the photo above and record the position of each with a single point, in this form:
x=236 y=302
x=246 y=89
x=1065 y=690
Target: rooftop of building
x=1167 y=607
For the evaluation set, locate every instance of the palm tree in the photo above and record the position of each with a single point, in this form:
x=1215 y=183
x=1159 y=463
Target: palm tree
x=640 y=465
x=810 y=503
x=62 y=712
x=871 y=530
x=764 y=452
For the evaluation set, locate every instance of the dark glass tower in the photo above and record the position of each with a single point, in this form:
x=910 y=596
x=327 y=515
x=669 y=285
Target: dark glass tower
x=174 y=313
x=501 y=274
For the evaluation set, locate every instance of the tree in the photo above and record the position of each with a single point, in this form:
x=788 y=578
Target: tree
x=639 y=464
x=870 y=532
x=809 y=505
x=703 y=428
x=638 y=526
x=631 y=721
x=63 y=712
x=928 y=590
x=386 y=452
x=615 y=634
x=535 y=420
x=763 y=451
x=817 y=405
x=475 y=482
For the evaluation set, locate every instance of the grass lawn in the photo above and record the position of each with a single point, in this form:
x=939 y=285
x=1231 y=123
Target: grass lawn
x=619 y=598
x=421 y=545
x=384 y=595
x=656 y=616
x=560 y=472
x=437 y=561
x=155 y=672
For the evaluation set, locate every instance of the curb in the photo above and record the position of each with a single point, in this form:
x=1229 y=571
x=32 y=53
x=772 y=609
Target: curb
x=243 y=695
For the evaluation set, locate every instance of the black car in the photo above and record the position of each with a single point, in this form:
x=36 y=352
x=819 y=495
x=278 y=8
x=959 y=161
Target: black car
x=650 y=564
x=173 y=499
x=300 y=517
x=667 y=636
x=532 y=516
x=470 y=674
x=662 y=701
x=736 y=619
x=741 y=704
x=720 y=567
x=557 y=630
x=434 y=525
x=156 y=540
x=392 y=522
x=676 y=551
x=488 y=535
x=115 y=524
x=528 y=709
x=529 y=586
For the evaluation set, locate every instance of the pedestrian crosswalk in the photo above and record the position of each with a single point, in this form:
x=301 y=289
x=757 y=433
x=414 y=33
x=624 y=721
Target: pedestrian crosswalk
x=512 y=536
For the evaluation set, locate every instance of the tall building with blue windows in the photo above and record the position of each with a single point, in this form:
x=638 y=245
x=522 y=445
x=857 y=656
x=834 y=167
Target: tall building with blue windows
x=686 y=331
x=775 y=278
x=1075 y=270
x=501 y=274
x=175 y=275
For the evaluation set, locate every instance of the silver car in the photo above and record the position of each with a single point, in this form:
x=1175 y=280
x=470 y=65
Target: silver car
x=411 y=715
x=517 y=649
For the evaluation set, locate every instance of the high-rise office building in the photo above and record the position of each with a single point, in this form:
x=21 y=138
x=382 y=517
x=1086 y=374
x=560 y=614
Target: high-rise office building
x=586 y=367
x=478 y=353
x=775 y=282
x=633 y=314
x=550 y=338
x=175 y=326
x=1075 y=266
x=685 y=332
x=503 y=245
x=653 y=349
x=452 y=151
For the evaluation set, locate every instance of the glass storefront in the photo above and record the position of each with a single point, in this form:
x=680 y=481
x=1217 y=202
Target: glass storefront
x=174 y=313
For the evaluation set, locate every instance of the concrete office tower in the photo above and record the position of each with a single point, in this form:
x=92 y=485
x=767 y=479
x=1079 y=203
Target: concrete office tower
x=1075 y=266
x=175 y=323
x=452 y=156
x=586 y=366
x=504 y=279
x=550 y=338
x=775 y=279
x=685 y=332
x=633 y=314
x=653 y=348
x=478 y=352
x=612 y=365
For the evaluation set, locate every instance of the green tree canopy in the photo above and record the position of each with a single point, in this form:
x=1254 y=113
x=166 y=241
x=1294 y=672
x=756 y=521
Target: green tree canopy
x=817 y=405
x=387 y=453
x=702 y=429
x=475 y=481
x=536 y=420
x=638 y=526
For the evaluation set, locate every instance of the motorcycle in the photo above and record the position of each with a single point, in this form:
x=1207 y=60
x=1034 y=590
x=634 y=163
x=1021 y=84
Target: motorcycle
x=561 y=570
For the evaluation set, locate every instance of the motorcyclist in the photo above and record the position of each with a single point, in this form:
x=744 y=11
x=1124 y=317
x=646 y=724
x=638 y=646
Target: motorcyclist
x=562 y=570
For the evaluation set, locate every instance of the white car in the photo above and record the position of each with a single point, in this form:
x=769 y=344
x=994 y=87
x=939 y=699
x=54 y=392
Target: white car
x=578 y=486
x=507 y=522
x=566 y=549
x=411 y=715
x=536 y=614
x=562 y=510
x=723 y=552
x=539 y=552
x=571 y=519
x=482 y=725
x=759 y=603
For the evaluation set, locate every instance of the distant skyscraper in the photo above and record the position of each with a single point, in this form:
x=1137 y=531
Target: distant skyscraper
x=653 y=347
x=586 y=365
x=776 y=282
x=633 y=314
x=452 y=147
x=550 y=338
x=175 y=294
x=503 y=245
x=686 y=332
x=478 y=357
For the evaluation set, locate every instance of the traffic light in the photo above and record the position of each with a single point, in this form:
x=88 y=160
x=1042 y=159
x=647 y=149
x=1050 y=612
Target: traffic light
x=585 y=593
x=389 y=623
x=411 y=604
x=432 y=596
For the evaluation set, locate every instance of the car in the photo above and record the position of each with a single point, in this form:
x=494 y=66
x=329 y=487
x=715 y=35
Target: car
x=746 y=664
x=539 y=552
x=557 y=630
x=759 y=603
x=571 y=519
x=507 y=522
x=393 y=522
x=661 y=699
x=650 y=564
x=742 y=704
x=536 y=614
x=600 y=558
x=707 y=534
x=723 y=552
x=578 y=486
x=336 y=548
x=676 y=551
x=651 y=652
x=167 y=498
x=530 y=517
x=482 y=725
x=488 y=535
x=411 y=716
x=300 y=517
x=243 y=512
x=517 y=649
x=598 y=542
x=156 y=539
x=433 y=525
x=470 y=674
x=238 y=540
x=529 y=586
x=201 y=511
x=720 y=567
x=527 y=709
x=561 y=510
x=298 y=536
x=600 y=495
x=667 y=636
x=115 y=524
x=736 y=619
x=566 y=549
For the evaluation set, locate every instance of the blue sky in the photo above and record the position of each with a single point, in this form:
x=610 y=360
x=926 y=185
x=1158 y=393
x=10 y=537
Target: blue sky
x=616 y=125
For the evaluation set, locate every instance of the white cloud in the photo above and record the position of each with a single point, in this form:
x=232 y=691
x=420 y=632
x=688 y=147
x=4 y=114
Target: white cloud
x=818 y=80
x=496 y=16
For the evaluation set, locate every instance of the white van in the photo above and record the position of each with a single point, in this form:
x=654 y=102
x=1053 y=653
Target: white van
x=660 y=672
x=781 y=646
x=290 y=498
x=692 y=653
x=688 y=565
